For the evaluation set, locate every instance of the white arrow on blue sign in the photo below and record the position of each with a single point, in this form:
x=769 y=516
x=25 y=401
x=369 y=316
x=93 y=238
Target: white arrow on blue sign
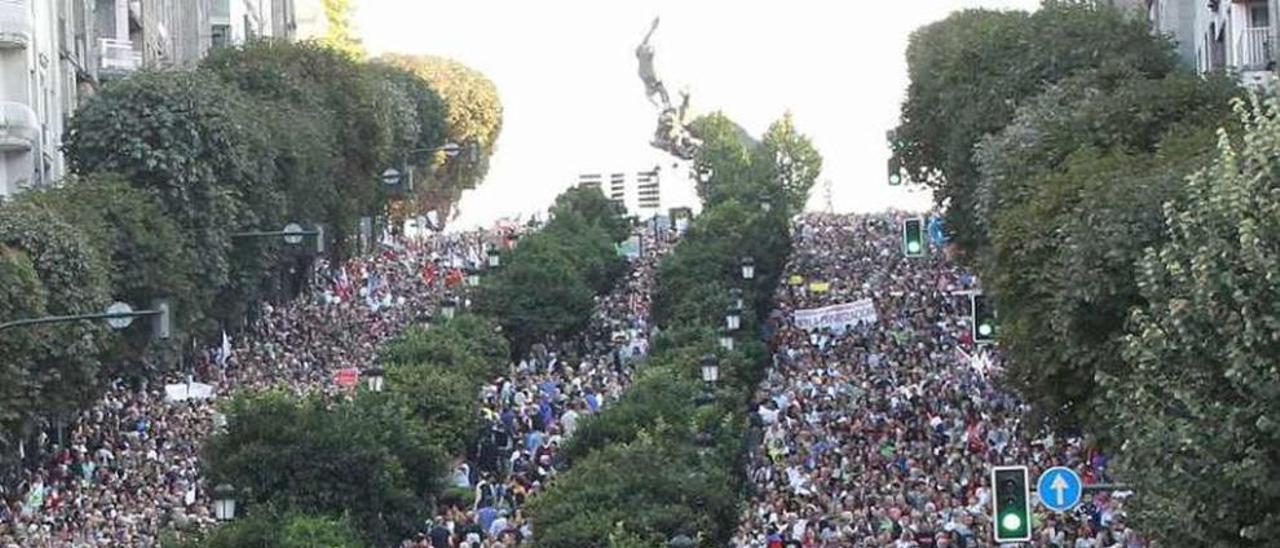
x=1059 y=489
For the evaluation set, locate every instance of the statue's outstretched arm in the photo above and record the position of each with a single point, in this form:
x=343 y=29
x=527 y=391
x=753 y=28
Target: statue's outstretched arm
x=652 y=28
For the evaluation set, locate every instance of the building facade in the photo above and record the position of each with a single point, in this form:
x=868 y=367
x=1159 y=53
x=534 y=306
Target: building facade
x=55 y=53
x=1232 y=35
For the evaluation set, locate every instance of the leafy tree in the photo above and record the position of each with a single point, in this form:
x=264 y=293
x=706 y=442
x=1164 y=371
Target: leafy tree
x=1077 y=181
x=145 y=252
x=442 y=399
x=538 y=293
x=196 y=144
x=789 y=160
x=474 y=117
x=22 y=295
x=271 y=529
x=595 y=209
x=970 y=72
x=339 y=33
x=725 y=157
x=468 y=343
x=349 y=121
x=366 y=458
x=1200 y=402
x=60 y=371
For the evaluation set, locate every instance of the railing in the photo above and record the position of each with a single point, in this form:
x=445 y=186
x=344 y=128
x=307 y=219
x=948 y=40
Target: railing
x=1255 y=49
x=16 y=26
x=119 y=55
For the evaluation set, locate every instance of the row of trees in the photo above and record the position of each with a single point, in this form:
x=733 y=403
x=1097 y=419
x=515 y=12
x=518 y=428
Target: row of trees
x=667 y=459
x=1115 y=205
x=170 y=165
x=369 y=467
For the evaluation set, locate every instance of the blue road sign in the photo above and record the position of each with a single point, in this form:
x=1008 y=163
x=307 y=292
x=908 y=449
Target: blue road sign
x=936 y=232
x=1059 y=489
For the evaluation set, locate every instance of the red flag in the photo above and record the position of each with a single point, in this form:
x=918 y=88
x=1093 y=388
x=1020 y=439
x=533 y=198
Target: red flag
x=454 y=278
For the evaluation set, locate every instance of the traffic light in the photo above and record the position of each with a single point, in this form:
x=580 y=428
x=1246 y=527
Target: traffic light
x=895 y=171
x=984 y=320
x=913 y=238
x=1010 y=504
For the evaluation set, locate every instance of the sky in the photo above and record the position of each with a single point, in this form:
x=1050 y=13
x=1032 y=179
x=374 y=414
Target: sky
x=573 y=102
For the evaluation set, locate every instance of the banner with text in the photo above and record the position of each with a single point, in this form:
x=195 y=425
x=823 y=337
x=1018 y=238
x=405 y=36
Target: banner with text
x=837 y=317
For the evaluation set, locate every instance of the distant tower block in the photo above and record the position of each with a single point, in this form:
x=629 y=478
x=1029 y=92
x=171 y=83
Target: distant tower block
x=590 y=180
x=647 y=184
x=618 y=187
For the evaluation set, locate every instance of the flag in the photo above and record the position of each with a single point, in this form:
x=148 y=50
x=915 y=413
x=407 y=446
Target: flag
x=224 y=352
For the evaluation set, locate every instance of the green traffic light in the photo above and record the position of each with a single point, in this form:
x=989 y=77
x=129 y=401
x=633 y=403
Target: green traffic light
x=895 y=179
x=1011 y=522
x=984 y=330
x=913 y=247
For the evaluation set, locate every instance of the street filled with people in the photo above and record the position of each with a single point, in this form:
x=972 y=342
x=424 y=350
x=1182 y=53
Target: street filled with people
x=129 y=467
x=530 y=413
x=882 y=432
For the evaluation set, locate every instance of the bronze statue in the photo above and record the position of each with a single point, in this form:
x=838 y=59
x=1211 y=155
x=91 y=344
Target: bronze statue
x=672 y=134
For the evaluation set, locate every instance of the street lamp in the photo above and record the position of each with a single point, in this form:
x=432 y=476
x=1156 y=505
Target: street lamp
x=735 y=296
x=449 y=307
x=224 y=502
x=495 y=259
x=710 y=369
x=748 y=268
x=766 y=203
x=375 y=379
x=473 y=277
x=726 y=340
x=681 y=541
x=733 y=318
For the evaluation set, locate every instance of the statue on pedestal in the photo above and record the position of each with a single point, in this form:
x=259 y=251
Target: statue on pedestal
x=672 y=135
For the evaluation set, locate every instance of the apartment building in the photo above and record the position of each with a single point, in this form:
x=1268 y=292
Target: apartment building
x=55 y=53
x=1234 y=35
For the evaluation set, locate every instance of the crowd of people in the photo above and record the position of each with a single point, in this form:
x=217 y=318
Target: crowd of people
x=128 y=468
x=531 y=412
x=882 y=432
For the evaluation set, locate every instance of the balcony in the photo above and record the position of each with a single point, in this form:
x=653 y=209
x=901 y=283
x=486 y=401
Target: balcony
x=1255 y=50
x=118 y=57
x=16 y=26
x=19 y=127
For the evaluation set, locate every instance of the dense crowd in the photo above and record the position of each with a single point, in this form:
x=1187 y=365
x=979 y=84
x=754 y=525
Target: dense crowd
x=883 y=432
x=129 y=466
x=530 y=413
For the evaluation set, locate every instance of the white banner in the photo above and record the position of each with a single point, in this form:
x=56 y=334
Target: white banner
x=837 y=316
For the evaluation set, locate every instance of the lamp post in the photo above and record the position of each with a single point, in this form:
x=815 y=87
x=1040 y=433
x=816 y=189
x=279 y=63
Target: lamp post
x=710 y=369
x=766 y=202
x=473 y=277
x=224 y=502
x=375 y=379
x=495 y=259
x=735 y=297
x=726 y=340
x=748 y=265
x=449 y=308
x=733 y=318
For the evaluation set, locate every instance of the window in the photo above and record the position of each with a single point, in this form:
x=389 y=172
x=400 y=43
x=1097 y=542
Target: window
x=1259 y=15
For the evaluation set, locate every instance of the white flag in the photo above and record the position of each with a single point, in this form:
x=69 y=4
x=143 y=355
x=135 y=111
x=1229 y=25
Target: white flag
x=225 y=351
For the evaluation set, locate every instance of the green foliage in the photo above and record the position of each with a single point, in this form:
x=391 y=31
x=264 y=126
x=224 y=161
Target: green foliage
x=1074 y=186
x=594 y=208
x=788 y=159
x=366 y=458
x=59 y=371
x=1201 y=400
x=664 y=461
x=336 y=124
x=443 y=399
x=725 y=157
x=474 y=116
x=971 y=71
x=468 y=344
x=268 y=529
x=339 y=33
x=145 y=253
x=538 y=292
x=196 y=144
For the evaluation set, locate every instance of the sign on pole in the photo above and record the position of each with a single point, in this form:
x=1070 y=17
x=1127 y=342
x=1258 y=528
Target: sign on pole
x=119 y=308
x=1059 y=489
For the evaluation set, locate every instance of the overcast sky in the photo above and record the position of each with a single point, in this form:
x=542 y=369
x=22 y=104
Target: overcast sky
x=573 y=103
